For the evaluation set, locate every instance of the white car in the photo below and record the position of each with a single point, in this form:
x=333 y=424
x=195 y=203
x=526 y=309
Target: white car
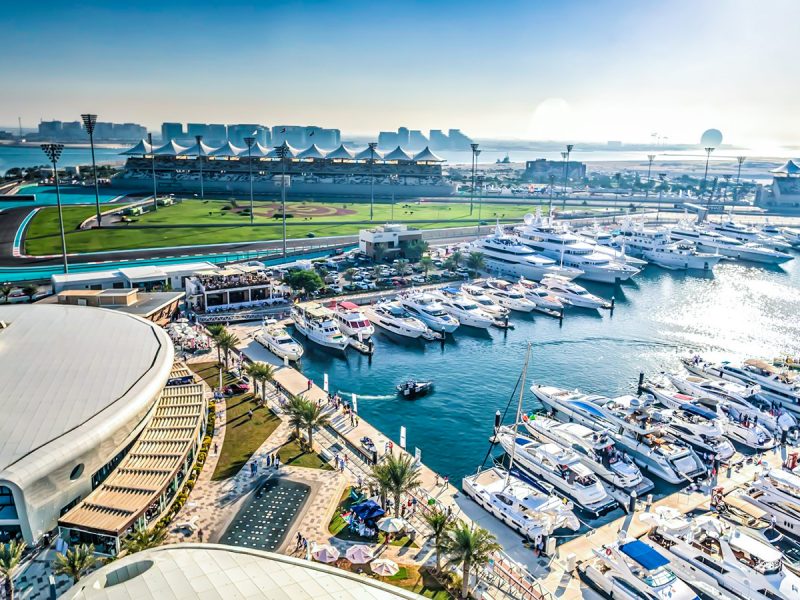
x=418 y=279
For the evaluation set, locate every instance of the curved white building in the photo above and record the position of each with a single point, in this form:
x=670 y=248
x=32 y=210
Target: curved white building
x=77 y=385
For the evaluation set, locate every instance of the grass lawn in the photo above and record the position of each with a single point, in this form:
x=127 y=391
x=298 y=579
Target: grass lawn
x=420 y=581
x=243 y=436
x=339 y=528
x=292 y=454
x=43 y=235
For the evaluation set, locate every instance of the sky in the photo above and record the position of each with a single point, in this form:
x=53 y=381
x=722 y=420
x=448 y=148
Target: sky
x=563 y=70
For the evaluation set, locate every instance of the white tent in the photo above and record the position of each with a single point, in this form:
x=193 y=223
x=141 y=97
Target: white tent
x=788 y=168
x=427 y=156
x=228 y=149
x=341 y=152
x=201 y=149
x=291 y=152
x=312 y=151
x=366 y=154
x=171 y=148
x=139 y=149
x=256 y=150
x=397 y=154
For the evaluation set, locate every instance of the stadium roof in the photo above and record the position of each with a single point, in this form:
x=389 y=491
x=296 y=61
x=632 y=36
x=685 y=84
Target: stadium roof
x=257 y=150
x=397 y=154
x=201 y=149
x=788 y=168
x=216 y=572
x=291 y=151
x=311 y=152
x=171 y=148
x=341 y=152
x=366 y=154
x=141 y=148
x=69 y=372
x=227 y=149
x=427 y=156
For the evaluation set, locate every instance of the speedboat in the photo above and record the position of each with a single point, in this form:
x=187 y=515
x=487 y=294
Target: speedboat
x=558 y=466
x=539 y=295
x=277 y=340
x=428 y=309
x=414 y=389
x=465 y=309
x=711 y=241
x=632 y=426
x=351 y=320
x=629 y=569
x=487 y=305
x=596 y=450
x=317 y=324
x=396 y=319
x=722 y=555
x=507 y=257
x=572 y=294
x=507 y=296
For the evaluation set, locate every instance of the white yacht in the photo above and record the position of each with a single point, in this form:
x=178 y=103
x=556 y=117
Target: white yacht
x=487 y=305
x=540 y=295
x=656 y=245
x=632 y=426
x=711 y=241
x=606 y=243
x=504 y=256
x=573 y=294
x=465 y=309
x=632 y=570
x=395 y=319
x=569 y=250
x=508 y=296
x=700 y=427
x=277 y=340
x=791 y=235
x=558 y=466
x=596 y=450
x=710 y=549
x=428 y=309
x=351 y=320
x=778 y=493
x=317 y=324
x=743 y=233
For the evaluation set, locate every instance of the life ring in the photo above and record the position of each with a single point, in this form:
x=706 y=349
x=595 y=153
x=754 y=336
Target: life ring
x=524 y=417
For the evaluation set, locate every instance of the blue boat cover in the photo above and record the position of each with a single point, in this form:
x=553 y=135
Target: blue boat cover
x=368 y=511
x=451 y=290
x=699 y=411
x=643 y=554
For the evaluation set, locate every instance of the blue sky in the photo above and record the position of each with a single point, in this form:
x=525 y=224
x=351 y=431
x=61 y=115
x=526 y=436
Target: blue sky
x=613 y=69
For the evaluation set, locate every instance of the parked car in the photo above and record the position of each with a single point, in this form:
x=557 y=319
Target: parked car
x=236 y=389
x=418 y=279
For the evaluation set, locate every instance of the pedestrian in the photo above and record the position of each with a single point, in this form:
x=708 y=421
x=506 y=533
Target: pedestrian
x=200 y=535
x=437 y=480
x=305 y=544
x=298 y=541
x=269 y=460
x=346 y=459
x=356 y=420
x=250 y=414
x=310 y=383
x=446 y=480
x=413 y=505
x=277 y=462
x=360 y=482
x=216 y=448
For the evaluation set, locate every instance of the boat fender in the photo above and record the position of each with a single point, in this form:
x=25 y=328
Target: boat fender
x=608 y=551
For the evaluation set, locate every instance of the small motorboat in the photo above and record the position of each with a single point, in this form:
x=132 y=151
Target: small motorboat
x=367 y=444
x=413 y=389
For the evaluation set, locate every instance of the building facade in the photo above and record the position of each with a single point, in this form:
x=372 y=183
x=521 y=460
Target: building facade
x=387 y=240
x=541 y=169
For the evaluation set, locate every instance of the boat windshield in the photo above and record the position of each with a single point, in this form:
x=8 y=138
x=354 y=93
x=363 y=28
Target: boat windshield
x=285 y=340
x=661 y=576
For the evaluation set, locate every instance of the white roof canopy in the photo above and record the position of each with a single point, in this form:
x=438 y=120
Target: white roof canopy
x=291 y=152
x=397 y=154
x=201 y=149
x=171 y=148
x=367 y=154
x=139 y=149
x=228 y=149
x=311 y=152
x=788 y=168
x=427 y=156
x=256 y=150
x=341 y=152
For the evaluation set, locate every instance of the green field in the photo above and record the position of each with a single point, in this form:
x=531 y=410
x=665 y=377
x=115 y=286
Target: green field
x=320 y=218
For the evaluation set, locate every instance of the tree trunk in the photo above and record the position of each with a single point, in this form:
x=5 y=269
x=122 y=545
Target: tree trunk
x=9 y=585
x=465 y=579
x=310 y=437
x=397 y=504
x=219 y=355
x=437 y=541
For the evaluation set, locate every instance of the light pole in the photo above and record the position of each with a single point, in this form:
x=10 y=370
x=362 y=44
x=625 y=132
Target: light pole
x=153 y=166
x=552 y=189
x=662 y=177
x=394 y=179
x=372 y=146
x=650 y=159
x=53 y=152
x=480 y=198
x=708 y=150
x=199 y=140
x=475 y=153
x=249 y=141
x=88 y=123
x=740 y=160
x=281 y=152
x=565 y=156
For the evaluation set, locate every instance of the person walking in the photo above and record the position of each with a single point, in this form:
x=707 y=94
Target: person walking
x=310 y=383
x=200 y=535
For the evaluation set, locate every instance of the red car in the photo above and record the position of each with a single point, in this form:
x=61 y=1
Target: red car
x=236 y=388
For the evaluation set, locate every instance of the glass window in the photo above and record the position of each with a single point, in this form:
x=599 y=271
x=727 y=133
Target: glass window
x=8 y=509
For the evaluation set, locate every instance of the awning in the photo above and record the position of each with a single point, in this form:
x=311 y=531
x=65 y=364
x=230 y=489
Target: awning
x=427 y=156
x=788 y=168
x=341 y=152
x=643 y=554
x=311 y=152
x=397 y=154
x=366 y=154
x=257 y=150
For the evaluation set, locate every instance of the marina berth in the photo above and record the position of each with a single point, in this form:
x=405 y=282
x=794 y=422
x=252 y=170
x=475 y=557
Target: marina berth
x=428 y=309
x=569 y=292
x=351 y=320
x=392 y=317
x=277 y=340
x=317 y=324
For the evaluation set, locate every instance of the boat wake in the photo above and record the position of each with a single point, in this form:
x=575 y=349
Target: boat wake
x=347 y=395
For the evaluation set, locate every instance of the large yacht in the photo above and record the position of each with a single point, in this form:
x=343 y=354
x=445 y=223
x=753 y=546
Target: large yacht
x=504 y=256
x=540 y=295
x=656 y=245
x=778 y=493
x=465 y=309
x=351 y=320
x=596 y=450
x=277 y=340
x=569 y=250
x=743 y=233
x=710 y=241
x=396 y=319
x=631 y=425
x=631 y=570
x=489 y=306
x=508 y=296
x=606 y=243
x=318 y=325
x=722 y=555
x=573 y=294
x=700 y=427
x=428 y=309
x=560 y=467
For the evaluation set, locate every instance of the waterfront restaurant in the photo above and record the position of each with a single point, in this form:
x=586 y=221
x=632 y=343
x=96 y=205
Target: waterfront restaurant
x=234 y=287
x=389 y=238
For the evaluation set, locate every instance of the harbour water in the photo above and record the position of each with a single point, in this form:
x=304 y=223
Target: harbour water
x=31 y=156
x=661 y=315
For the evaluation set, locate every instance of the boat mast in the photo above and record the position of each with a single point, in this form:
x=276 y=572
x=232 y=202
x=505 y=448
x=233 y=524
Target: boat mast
x=519 y=413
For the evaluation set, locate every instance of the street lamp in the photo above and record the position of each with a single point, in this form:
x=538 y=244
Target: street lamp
x=153 y=166
x=552 y=190
x=740 y=160
x=88 y=123
x=249 y=141
x=480 y=197
x=663 y=178
x=394 y=178
x=281 y=152
x=565 y=156
x=53 y=152
x=199 y=140
x=708 y=150
x=650 y=159
x=372 y=146
x=475 y=153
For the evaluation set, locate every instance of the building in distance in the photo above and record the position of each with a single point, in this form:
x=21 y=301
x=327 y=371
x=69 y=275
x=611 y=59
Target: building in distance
x=541 y=169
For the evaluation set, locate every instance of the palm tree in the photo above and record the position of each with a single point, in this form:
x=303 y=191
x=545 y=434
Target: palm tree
x=261 y=373
x=426 y=262
x=439 y=522
x=313 y=416
x=215 y=331
x=396 y=476
x=349 y=274
x=10 y=557
x=76 y=562
x=402 y=266
x=143 y=539
x=469 y=546
x=456 y=257
x=5 y=290
x=30 y=290
x=227 y=342
x=294 y=408
x=475 y=261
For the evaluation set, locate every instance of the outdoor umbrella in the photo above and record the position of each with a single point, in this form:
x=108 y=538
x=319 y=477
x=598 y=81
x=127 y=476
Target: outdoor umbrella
x=392 y=524
x=384 y=567
x=325 y=553
x=359 y=554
